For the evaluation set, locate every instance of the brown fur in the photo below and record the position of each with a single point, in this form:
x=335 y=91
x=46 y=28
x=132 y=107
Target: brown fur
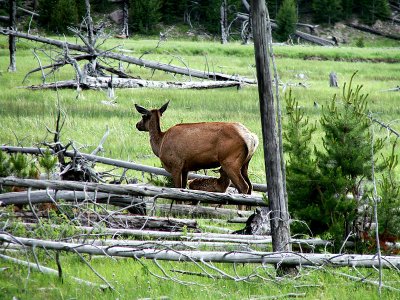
x=194 y=146
x=218 y=185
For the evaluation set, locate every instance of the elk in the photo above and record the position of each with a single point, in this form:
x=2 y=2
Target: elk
x=195 y=146
x=211 y=184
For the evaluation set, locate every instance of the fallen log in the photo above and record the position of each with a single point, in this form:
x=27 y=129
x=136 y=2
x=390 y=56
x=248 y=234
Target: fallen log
x=37 y=197
x=41 y=196
x=191 y=236
x=4 y=19
x=314 y=39
x=117 y=163
x=138 y=190
x=373 y=31
x=130 y=59
x=95 y=83
x=290 y=258
x=199 y=211
x=117 y=221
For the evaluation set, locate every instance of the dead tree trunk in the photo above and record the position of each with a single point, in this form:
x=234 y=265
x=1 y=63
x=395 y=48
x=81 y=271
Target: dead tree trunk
x=224 y=22
x=11 y=38
x=132 y=60
x=125 y=12
x=89 y=22
x=279 y=212
x=333 y=80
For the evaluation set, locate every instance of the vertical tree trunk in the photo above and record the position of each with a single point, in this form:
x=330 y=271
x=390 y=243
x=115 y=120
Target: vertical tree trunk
x=89 y=23
x=224 y=22
x=125 y=10
x=279 y=212
x=11 y=39
x=333 y=80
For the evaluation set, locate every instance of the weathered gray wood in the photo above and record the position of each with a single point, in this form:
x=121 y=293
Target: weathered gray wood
x=333 y=79
x=138 y=190
x=40 y=196
x=130 y=59
x=373 y=31
x=117 y=221
x=36 y=197
x=4 y=19
x=287 y=258
x=102 y=82
x=117 y=163
x=279 y=212
x=125 y=21
x=199 y=211
x=224 y=22
x=28 y=11
x=11 y=38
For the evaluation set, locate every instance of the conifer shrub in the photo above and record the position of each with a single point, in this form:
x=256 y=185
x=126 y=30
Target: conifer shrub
x=286 y=20
x=324 y=184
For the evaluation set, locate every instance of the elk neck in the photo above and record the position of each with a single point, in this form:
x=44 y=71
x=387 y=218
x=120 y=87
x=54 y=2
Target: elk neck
x=156 y=135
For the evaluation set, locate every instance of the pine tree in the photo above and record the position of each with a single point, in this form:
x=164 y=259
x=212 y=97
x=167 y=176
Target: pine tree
x=273 y=7
x=347 y=9
x=286 y=20
x=144 y=15
x=372 y=10
x=64 y=14
x=388 y=216
x=327 y=11
x=346 y=159
x=301 y=172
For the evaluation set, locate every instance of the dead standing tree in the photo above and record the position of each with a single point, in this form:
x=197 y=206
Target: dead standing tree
x=11 y=38
x=279 y=210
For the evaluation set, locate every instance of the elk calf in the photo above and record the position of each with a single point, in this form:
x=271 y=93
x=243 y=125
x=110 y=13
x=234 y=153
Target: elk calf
x=211 y=184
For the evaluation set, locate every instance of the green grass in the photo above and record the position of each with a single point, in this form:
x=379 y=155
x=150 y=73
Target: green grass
x=132 y=280
x=24 y=115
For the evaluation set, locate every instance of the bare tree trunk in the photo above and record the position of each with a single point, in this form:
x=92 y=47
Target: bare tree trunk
x=11 y=39
x=224 y=22
x=333 y=80
x=125 y=10
x=279 y=212
x=89 y=23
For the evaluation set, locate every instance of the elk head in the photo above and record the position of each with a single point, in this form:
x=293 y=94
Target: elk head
x=148 y=115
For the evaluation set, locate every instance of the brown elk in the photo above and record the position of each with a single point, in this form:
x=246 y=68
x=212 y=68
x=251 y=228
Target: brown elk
x=211 y=184
x=195 y=146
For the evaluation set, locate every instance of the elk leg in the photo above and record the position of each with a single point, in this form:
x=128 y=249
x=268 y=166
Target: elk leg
x=245 y=167
x=237 y=179
x=246 y=178
x=177 y=179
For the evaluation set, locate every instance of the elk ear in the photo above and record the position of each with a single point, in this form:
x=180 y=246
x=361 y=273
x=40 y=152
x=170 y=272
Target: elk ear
x=142 y=110
x=163 y=108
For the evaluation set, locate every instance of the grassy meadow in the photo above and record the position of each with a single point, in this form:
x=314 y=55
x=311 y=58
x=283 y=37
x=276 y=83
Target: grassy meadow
x=25 y=114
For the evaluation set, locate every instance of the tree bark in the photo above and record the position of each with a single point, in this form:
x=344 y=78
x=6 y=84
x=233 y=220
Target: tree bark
x=333 y=80
x=279 y=211
x=224 y=22
x=102 y=82
x=11 y=38
x=287 y=258
x=125 y=21
x=138 y=190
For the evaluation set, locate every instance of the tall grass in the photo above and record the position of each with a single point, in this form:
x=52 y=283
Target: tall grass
x=131 y=280
x=25 y=114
